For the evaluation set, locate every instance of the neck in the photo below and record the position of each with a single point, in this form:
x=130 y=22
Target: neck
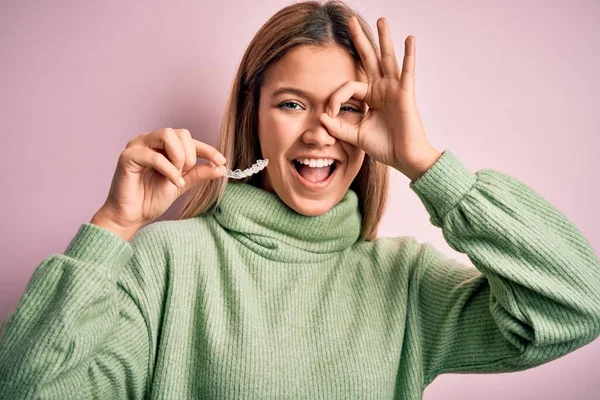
x=264 y=223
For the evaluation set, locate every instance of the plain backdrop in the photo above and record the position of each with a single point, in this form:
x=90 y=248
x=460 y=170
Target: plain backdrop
x=504 y=84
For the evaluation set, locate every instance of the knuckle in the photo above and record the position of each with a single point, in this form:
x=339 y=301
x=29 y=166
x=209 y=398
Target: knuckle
x=126 y=155
x=184 y=133
x=179 y=162
x=136 y=140
x=167 y=133
x=156 y=158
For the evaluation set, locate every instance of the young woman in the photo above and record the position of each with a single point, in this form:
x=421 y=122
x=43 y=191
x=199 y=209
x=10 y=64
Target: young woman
x=276 y=286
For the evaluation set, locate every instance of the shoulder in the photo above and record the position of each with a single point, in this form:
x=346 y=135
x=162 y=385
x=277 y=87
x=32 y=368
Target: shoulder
x=405 y=252
x=177 y=244
x=163 y=249
x=389 y=253
x=389 y=246
x=171 y=233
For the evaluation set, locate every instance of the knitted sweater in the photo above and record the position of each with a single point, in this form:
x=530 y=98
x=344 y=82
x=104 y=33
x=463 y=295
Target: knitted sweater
x=257 y=301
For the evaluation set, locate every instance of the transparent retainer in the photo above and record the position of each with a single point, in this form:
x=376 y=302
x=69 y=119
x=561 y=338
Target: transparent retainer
x=238 y=173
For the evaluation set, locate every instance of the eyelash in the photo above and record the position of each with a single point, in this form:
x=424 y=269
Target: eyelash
x=293 y=102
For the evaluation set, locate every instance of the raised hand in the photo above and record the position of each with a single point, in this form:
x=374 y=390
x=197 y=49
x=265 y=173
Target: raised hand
x=391 y=132
x=146 y=180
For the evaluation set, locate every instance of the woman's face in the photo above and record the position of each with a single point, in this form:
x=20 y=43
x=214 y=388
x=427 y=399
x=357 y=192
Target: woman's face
x=296 y=90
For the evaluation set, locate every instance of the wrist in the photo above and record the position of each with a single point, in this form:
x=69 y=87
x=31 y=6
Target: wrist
x=105 y=221
x=417 y=169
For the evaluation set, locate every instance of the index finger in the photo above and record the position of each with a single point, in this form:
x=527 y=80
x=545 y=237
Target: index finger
x=364 y=48
x=389 y=63
x=210 y=153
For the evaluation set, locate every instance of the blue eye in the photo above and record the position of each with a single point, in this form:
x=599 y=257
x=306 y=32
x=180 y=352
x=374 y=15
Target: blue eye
x=344 y=108
x=289 y=102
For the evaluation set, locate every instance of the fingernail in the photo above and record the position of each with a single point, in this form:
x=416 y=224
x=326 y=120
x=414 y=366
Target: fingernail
x=182 y=181
x=221 y=159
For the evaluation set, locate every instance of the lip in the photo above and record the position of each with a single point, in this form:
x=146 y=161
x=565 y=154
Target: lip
x=314 y=185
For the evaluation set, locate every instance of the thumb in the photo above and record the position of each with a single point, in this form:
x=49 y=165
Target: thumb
x=340 y=130
x=199 y=173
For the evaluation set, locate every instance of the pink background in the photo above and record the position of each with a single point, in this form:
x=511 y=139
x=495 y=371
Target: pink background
x=508 y=85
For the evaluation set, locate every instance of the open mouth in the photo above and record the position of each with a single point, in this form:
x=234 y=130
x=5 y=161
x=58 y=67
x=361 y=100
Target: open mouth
x=315 y=177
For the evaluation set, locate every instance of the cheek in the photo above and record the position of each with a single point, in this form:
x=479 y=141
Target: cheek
x=356 y=157
x=358 y=162
x=276 y=135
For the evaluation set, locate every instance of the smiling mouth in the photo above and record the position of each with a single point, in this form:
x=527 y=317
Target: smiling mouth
x=315 y=175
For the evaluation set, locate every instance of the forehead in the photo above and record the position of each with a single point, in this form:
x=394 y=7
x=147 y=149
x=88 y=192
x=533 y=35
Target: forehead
x=320 y=70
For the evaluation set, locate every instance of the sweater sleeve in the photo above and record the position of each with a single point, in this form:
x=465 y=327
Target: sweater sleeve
x=82 y=329
x=533 y=294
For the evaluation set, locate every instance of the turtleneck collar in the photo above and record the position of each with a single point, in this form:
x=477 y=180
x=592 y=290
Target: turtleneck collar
x=262 y=221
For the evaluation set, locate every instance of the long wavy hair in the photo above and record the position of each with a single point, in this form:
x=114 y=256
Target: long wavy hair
x=304 y=23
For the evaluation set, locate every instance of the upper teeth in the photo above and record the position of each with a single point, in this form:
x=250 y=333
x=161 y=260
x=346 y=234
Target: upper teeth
x=320 y=162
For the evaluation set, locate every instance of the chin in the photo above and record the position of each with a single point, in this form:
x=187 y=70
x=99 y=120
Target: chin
x=305 y=204
x=310 y=207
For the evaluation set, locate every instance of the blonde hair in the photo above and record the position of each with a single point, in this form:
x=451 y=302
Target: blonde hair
x=304 y=23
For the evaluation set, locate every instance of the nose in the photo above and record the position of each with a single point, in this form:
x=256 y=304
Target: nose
x=318 y=136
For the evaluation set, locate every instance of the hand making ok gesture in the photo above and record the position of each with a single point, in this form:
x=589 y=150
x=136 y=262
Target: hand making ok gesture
x=391 y=132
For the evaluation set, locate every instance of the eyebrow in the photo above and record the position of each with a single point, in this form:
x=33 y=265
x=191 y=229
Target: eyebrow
x=295 y=91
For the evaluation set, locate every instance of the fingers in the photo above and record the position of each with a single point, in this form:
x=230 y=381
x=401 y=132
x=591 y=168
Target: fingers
x=152 y=159
x=168 y=140
x=367 y=52
x=336 y=127
x=201 y=172
x=350 y=89
x=389 y=64
x=181 y=152
x=197 y=173
x=181 y=148
x=407 y=80
x=189 y=149
x=210 y=153
x=341 y=130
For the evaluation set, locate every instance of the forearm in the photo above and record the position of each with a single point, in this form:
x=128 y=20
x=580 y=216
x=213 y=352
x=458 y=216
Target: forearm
x=540 y=284
x=70 y=307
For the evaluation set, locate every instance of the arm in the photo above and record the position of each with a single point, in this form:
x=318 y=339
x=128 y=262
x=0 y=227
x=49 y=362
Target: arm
x=534 y=294
x=85 y=326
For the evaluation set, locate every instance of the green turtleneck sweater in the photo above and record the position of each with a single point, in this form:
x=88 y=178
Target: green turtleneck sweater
x=257 y=301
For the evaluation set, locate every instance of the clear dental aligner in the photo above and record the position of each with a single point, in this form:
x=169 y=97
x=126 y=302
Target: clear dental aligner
x=238 y=173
